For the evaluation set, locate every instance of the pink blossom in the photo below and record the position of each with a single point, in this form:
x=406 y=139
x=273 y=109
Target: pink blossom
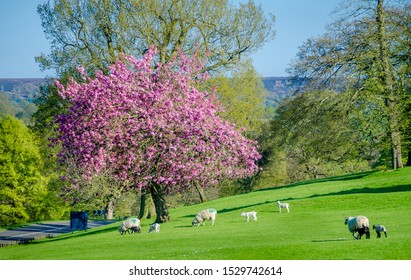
x=147 y=123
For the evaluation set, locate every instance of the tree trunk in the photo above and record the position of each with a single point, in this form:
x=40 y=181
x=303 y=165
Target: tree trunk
x=201 y=192
x=159 y=203
x=147 y=209
x=391 y=100
x=409 y=159
x=110 y=210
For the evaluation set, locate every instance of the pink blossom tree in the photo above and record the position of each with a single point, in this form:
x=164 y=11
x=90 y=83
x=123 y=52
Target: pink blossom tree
x=149 y=126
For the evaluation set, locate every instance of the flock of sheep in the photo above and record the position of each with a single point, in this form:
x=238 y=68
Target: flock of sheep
x=132 y=225
x=358 y=225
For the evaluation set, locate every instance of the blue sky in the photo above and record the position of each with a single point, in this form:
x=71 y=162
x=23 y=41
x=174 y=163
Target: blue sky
x=22 y=37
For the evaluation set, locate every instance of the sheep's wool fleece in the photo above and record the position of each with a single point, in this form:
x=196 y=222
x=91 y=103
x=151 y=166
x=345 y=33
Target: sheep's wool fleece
x=205 y=215
x=357 y=222
x=154 y=228
x=129 y=223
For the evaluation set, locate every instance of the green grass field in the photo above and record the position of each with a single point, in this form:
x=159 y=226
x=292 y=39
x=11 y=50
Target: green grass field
x=313 y=230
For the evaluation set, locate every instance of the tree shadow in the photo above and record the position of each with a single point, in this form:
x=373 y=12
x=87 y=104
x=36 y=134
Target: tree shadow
x=44 y=228
x=347 y=177
x=366 y=190
x=74 y=235
x=227 y=210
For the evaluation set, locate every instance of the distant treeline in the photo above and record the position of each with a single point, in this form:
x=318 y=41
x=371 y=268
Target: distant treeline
x=17 y=95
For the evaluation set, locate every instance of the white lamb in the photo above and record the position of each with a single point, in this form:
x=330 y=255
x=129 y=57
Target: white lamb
x=154 y=228
x=359 y=224
x=379 y=229
x=283 y=205
x=247 y=215
x=202 y=216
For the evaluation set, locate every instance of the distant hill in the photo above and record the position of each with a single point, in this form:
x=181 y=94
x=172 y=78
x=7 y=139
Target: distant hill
x=17 y=97
x=8 y=84
x=25 y=89
x=278 y=88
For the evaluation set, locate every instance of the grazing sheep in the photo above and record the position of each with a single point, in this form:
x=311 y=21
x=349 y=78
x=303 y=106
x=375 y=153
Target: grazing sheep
x=130 y=225
x=359 y=224
x=247 y=215
x=379 y=229
x=202 y=216
x=283 y=205
x=135 y=229
x=154 y=228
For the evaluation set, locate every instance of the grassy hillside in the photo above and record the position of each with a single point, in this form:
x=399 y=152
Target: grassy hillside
x=313 y=230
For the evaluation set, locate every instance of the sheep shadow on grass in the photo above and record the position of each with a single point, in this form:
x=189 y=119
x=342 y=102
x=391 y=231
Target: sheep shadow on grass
x=330 y=240
x=187 y=226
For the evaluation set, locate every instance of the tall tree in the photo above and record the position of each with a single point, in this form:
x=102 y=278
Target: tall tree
x=149 y=127
x=243 y=97
x=402 y=18
x=93 y=33
x=388 y=84
x=320 y=136
x=22 y=186
x=359 y=53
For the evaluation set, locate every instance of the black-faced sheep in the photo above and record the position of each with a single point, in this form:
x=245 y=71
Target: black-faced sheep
x=247 y=215
x=283 y=205
x=131 y=225
x=135 y=229
x=360 y=225
x=379 y=229
x=202 y=216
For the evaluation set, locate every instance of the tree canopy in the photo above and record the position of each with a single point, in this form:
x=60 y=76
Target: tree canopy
x=94 y=33
x=22 y=186
x=243 y=97
x=149 y=126
x=363 y=51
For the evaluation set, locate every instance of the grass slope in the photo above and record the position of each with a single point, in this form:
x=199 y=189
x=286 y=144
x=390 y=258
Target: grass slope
x=313 y=230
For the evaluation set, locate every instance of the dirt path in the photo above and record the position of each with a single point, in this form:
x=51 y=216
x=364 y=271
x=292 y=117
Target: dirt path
x=42 y=230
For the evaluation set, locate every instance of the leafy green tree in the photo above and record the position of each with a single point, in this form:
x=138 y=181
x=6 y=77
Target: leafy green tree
x=148 y=127
x=94 y=33
x=22 y=187
x=243 y=96
x=402 y=51
x=320 y=135
x=12 y=105
x=6 y=108
x=360 y=52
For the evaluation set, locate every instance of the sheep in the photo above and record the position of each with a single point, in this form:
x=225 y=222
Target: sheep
x=379 y=229
x=154 y=228
x=202 y=216
x=283 y=205
x=130 y=225
x=135 y=229
x=359 y=224
x=247 y=215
